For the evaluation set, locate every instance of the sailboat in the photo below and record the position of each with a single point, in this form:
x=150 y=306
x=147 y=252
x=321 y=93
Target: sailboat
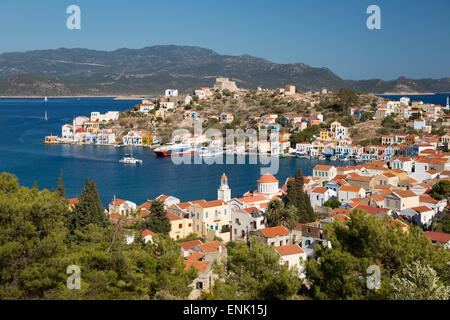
x=45 y=99
x=45 y=116
x=130 y=159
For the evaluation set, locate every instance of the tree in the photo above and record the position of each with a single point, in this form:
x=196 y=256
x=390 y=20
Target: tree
x=279 y=215
x=299 y=199
x=254 y=272
x=158 y=221
x=418 y=282
x=441 y=190
x=60 y=189
x=89 y=209
x=346 y=97
x=333 y=204
x=341 y=272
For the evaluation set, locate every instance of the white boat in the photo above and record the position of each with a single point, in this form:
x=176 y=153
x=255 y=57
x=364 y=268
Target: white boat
x=322 y=157
x=172 y=149
x=333 y=158
x=45 y=116
x=344 y=159
x=45 y=99
x=208 y=152
x=130 y=159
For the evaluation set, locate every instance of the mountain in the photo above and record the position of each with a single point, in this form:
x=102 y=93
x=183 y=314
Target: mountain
x=153 y=69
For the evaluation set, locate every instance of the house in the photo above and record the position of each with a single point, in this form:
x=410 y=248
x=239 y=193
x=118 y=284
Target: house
x=312 y=234
x=436 y=205
x=402 y=163
x=346 y=193
x=366 y=182
x=148 y=235
x=438 y=237
x=168 y=200
x=273 y=236
x=318 y=196
x=67 y=131
x=212 y=218
x=171 y=93
x=289 y=89
x=185 y=246
x=72 y=203
x=424 y=216
x=293 y=255
x=387 y=178
x=210 y=251
x=180 y=227
x=122 y=207
x=324 y=171
x=245 y=221
x=147 y=107
x=203 y=92
x=401 y=199
x=226 y=117
x=205 y=275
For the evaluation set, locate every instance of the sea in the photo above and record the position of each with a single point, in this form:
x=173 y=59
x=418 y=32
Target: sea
x=23 y=153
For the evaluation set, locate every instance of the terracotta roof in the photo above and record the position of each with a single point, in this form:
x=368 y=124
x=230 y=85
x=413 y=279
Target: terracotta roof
x=73 y=201
x=404 y=193
x=342 y=211
x=189 y=244
x=371 y=210
x=267 y=178
x=274 y=231
x=173 y=217
x=147 y=232
x=320 y=190
x=349 y=189
x=377 y=197
x=322 y=167
x=437 y=236
x=360 y=178
x=146 y=205
x=289 y=249
x=118 y=202
x=251 y=210
x=195 y=256
x=421 y=209
x=252 y=199
x=201 y=266
x=427 y=199
x=211 y=246
x=213 y=203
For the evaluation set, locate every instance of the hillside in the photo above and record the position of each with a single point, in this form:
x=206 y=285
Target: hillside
x=152 y=69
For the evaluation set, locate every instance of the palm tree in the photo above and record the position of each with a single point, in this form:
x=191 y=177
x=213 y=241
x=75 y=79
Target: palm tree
x=274 y=213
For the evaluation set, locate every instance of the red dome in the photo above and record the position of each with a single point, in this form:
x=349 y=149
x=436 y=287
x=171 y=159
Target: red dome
x=224 y=176
x=267 y=178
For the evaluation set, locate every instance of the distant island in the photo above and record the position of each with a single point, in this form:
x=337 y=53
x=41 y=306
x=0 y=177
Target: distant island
x=128 y=72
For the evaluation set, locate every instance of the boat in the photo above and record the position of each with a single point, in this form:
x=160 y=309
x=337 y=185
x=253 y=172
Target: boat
x=169 y=150
x=302 y=155
x=45 y=99
x=344 y=159
x=208 y=152
x=322 y=157
x=333 y=158
x=283 y=156
x=45 y=115
x=130 y=159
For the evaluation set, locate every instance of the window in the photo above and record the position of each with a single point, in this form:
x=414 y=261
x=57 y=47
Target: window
x=198 y=216
x=217 y=213
x=224 y=212
x=198 y=228
x=206 y=215
x=199 y=285
x=180 y=226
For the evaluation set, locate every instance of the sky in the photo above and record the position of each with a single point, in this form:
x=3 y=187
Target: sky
x=414 y=39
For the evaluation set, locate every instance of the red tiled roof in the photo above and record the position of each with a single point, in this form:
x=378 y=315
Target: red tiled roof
x=289 y=249
x=437 y=236
x=189 y=244
x=201 y=266
x=322 y=167
x=211 y=246
x=274 y=231
x=147 y=232
x=267 y=178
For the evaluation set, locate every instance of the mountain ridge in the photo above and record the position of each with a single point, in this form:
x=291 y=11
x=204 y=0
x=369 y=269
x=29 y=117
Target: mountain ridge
x=149 y=70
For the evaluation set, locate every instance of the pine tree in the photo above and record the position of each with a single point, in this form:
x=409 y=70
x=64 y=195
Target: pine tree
x=89 y=209
x=298 y=198
x=60 y=189
x=158 y=221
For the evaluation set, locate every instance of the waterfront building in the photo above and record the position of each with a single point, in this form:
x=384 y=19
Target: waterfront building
x=67 y=131
x=212 y=218
x=324 y=172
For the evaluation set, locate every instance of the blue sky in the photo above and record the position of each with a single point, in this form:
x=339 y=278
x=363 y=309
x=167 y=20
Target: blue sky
x=414 y=39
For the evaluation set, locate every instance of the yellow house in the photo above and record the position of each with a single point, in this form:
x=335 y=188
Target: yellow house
x=147 y=139
x=180 y=227
x=399 y=173
x=324 y=135
x=212 y=218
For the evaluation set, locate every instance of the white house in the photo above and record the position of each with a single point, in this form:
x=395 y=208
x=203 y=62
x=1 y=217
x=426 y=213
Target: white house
x=340 y=132
x=293 y=255
x=402 y=163
x=346 y=193
x=122 y=207
x=147 y=107
x=148 y=235
x=246 y=220
x=67 y=131
x=320 y=195
x=171 y=92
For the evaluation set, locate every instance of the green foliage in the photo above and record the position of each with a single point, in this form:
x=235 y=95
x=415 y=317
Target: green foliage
x=333 y=204
x=418 y=282
x=365 y=241
x=157 y=220
x=441 y=190
x=298 y=198
x=254 y=272
x=89 y=209
x=35 y=251
x=366 y=116
x=60 y=189
x=279 y=215
x=346 y=97
x=306 y=135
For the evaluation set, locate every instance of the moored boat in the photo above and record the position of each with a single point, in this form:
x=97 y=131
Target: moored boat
x=174 y=149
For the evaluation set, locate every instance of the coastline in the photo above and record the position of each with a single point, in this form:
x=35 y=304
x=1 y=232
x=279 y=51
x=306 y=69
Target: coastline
x=115 y=97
